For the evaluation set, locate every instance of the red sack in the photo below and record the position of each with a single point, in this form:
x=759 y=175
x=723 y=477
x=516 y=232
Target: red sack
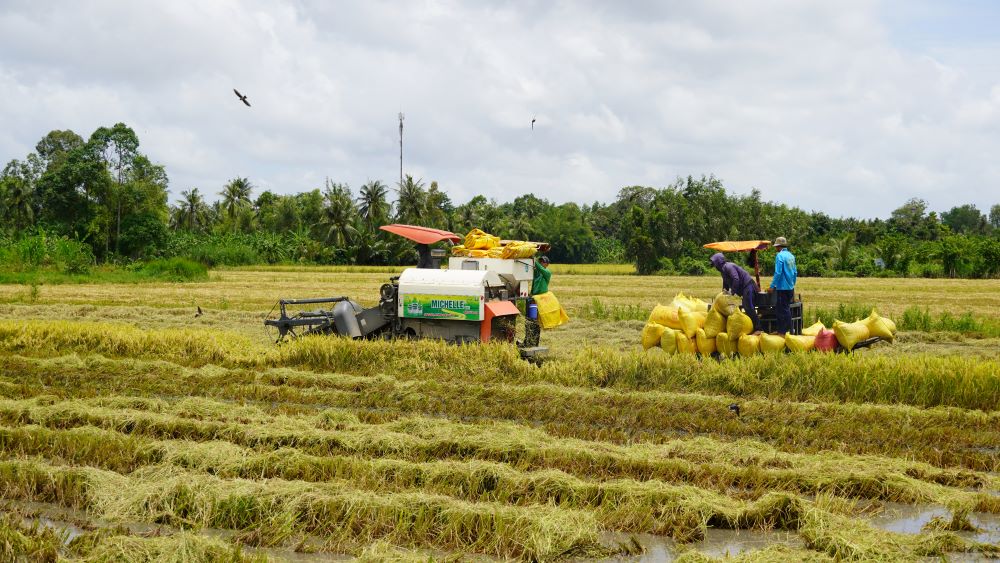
x=826 y=340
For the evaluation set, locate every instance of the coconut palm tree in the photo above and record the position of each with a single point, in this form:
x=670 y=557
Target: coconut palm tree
x=372 y=204
x=17 y=202
x=338 y=214
x=191 y=210
x=236 y=197
x=838 y=251
x=412 y=202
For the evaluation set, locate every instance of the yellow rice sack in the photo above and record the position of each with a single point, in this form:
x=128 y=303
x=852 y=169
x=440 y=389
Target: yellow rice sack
x=668 y=340
x=813 y=329
x=772 y=344
x=800 y=342
x=495 y=252
x=723 y=345
x=738 y=324
x=714 y=323
x=691 y=303
x=892 y=325
x=725 y=304
x=651 y=334
x=748 y=345
x=480 y=240
x=705 y=343
x=518 y=250
x=878 y=327
x=849 y=334
x=684 y=344
x=691 y=321
x=665 y=315
x=459 y=250
x=550 y=313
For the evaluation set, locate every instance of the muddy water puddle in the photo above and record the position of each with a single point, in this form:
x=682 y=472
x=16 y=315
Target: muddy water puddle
x=911 y=519
x=717 y=543
x=70 y=523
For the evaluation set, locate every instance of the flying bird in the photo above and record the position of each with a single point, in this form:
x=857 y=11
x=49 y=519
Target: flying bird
x=241 y=97
x=735 y=408
x=199 y=313
x=533 y=123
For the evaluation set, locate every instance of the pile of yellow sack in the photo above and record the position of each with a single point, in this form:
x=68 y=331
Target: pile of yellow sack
x=690 y=325
x=849 y=334
x=675 y=327
x=480 y=244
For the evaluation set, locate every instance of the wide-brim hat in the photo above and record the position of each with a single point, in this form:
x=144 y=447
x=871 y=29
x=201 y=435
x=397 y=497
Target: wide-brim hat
x=780 y=242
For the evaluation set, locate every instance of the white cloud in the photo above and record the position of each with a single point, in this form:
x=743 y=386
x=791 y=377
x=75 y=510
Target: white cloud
x=814 y=103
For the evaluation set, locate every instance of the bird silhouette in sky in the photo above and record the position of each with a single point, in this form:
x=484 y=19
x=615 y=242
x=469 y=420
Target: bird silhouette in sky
x=533 y=123
x=241 y=97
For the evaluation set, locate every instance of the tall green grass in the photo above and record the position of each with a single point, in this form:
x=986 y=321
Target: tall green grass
x=914 y=318
x=598 y=310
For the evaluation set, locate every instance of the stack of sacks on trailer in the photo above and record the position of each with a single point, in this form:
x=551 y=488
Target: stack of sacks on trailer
x=689 y=325
x=849 y=334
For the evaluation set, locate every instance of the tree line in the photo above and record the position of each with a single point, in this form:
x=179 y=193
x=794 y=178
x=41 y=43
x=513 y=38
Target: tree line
x=105 y=194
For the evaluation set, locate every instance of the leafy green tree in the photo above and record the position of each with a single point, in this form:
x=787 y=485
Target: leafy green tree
x=438 y=208
x=988 y=258
x=895 y=251
x=913 y=220
x=571 y=238
x=118 y=148
x=73 y=191
x=995 y=216
x=965 y=219
x=954 y=253
x=310 y=205
x=640 y=245
x=287 y=217
x=55 y=147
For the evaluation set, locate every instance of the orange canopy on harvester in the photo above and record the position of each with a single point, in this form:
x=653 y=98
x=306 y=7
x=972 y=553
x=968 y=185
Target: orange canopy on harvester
x=421 y=235
x=739 y=245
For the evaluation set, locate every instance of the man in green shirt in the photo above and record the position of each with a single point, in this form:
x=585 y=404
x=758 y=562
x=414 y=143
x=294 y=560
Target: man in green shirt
x=540 y=284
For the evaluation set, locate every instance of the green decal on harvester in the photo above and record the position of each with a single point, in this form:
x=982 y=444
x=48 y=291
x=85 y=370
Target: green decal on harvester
x=448 y=307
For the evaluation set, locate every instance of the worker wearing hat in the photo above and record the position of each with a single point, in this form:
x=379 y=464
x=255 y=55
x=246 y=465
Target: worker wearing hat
x=783 y=284
x=540 y=284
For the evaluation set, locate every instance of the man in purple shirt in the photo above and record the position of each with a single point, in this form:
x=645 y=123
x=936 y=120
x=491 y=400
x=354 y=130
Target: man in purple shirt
x=737 y=281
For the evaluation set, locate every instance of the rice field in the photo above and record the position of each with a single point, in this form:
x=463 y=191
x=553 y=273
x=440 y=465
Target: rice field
x=132 y=431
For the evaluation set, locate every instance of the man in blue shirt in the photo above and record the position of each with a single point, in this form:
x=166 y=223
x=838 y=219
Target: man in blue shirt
x=783 y=284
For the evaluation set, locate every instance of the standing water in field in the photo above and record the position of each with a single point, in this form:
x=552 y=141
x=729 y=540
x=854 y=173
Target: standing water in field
x=717 y=543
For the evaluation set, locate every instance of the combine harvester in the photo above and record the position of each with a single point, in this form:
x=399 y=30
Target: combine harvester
x=472 y=300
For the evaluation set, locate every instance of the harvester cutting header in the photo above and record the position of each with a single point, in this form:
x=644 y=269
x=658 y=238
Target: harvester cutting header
x=477 y=298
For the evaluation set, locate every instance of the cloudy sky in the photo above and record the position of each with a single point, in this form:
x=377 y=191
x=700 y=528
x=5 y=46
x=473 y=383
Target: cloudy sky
x=848 y=107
